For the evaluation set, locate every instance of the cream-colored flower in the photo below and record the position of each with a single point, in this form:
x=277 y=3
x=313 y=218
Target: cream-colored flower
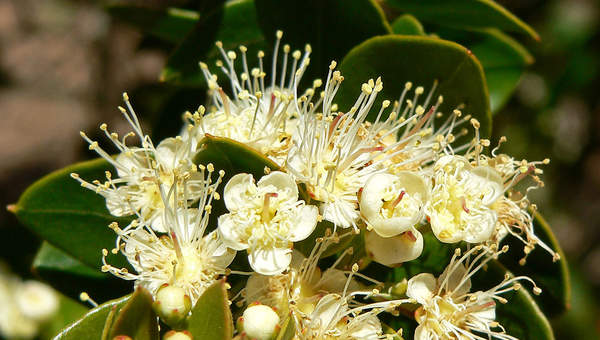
x=143 y=172
x=449 y=310
x=185 y=257
x=461 y=202
x=37 y=301
x=259 y=115
x=393 y=204
x=265 y=218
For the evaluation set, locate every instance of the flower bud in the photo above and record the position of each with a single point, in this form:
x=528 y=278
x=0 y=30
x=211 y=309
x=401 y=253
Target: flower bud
x=259 y=322
x=174 y=335
x=172 y=304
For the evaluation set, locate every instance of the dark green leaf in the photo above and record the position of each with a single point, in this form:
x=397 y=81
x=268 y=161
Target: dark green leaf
x=420 y=60
x=234 y=24
x=470 y=14
x=70 y=275
x=521 y=316
x=552 y=277
x=170 y=24
x=232 y=156
x=92 y=325
x=407 y=25
x=137 y=318
x=332 y=27
x=68 y=216
x=503 y=59
x=211 y=318
x=288 y=330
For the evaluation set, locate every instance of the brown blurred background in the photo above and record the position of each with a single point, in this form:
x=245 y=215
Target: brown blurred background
x=64 y=64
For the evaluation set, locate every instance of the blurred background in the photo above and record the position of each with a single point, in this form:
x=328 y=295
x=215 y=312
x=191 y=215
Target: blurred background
x=64 y=65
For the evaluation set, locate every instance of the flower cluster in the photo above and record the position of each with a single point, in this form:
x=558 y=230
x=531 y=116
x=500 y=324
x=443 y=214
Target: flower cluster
x=390 y=172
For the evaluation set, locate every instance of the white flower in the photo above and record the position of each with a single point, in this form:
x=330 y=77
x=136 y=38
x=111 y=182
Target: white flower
x=449 y=310
x=143 y=172
x=461 y=200
x=331 y=151
x=258 y=115
x=265 y=218
x=332 y=318
x=185 y=257
x=392 y=204
x=36 y=300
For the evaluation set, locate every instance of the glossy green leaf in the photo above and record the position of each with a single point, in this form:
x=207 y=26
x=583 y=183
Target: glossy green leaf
x=503 y=59
x=233 y=157
x=552 y=277
x=70 y=217
x=420 y=60
x=332 y=27
x=288 y=330
x=92 y=324
x=521 y=316
x=211 y=318
x=234 y=24
x=68 y=312
x=137 y=318
x=470 y=14
x=70 y=275
x=407 y=25
x=170 y=24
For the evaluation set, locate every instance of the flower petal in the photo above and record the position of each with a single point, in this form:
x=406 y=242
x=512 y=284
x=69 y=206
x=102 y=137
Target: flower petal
x=391 y=251
x=229 y=231
x=304 y=221
x=236 y=191
x=284 y=185
x=270 y=261
x=421 y=287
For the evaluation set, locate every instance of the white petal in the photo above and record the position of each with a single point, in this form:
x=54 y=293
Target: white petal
x=494 y=185
x=341 y=213
x=421 y=287
x=269 y=261
x=422 y=332
x=236 y=191
x=222 y=255
x=328 y=310
x=305 y=221
x=229 y=231
x=284 y=185
x=391 y=251
x=166 y=152
x=482 y=228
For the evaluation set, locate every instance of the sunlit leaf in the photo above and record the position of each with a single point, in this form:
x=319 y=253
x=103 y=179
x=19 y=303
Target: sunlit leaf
x=137 y=318
x=211 y=318
x=421 y=60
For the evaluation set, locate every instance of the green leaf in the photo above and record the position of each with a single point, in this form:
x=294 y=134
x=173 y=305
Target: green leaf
x=137 y=318
x=332 y=27
x=407 y=25
x=211 y=318
x=170 y=24
x=420 y=60
x=288 y=330
x=552 y=277
x=70 y=275
x=503 y=59
x=521 y=316
x=68 y=312
x=234 y=24
x=233 y=157
x=469 y=14
x=68 y=216
x=92 y=324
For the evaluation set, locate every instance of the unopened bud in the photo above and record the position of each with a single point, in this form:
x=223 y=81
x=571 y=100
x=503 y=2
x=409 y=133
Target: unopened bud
x=173 y=335
x=172 y=305
x=259 y=322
